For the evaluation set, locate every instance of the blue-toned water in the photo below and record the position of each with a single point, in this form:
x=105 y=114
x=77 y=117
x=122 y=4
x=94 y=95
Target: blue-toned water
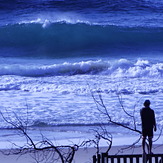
x=53 y=53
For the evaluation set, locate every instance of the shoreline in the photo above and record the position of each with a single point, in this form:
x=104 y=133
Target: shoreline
x=82 y=155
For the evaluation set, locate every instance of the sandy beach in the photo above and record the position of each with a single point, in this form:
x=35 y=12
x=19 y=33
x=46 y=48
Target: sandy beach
x=81 y=156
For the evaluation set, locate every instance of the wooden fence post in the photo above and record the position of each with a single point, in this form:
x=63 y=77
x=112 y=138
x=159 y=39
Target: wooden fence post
x=144 y=157
x=94 y=159
x=104 y=158
x=98 y=158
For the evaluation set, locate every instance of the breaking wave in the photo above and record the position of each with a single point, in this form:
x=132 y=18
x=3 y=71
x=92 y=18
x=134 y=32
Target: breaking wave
x=119 y=68
x=62 y=39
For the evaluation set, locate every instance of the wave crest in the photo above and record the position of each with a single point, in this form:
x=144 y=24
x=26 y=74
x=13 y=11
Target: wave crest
x=121 y=68
x=64 y=39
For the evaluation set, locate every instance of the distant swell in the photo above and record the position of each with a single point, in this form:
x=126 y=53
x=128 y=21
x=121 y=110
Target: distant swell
x=62 y=39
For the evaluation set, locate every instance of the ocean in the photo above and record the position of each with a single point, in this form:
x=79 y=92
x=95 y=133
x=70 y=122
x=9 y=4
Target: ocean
x=55 y=53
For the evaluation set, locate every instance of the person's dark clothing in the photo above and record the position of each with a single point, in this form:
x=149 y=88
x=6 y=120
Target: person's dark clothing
x=148 y=121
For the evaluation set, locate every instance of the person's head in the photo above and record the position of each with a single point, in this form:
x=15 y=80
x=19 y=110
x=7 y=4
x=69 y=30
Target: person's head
x=147 y=103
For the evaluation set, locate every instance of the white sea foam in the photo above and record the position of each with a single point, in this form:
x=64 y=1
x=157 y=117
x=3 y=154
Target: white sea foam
x=61 y=92
x=67 y=100
x=120 y=68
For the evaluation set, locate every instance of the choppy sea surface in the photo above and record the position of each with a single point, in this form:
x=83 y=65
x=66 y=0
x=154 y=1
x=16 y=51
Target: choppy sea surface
x=55 y=53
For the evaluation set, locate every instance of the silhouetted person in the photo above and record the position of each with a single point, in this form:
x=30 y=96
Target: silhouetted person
x=148 y=124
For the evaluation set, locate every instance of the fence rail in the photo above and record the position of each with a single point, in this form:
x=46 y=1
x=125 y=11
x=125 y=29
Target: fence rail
x=105 y=158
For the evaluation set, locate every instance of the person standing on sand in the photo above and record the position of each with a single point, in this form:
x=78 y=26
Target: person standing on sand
x=148 y=124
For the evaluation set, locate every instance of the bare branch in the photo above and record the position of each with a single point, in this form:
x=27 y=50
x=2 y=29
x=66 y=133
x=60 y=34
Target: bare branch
x=130 y=146
x=105 y=112
x=49 y=151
